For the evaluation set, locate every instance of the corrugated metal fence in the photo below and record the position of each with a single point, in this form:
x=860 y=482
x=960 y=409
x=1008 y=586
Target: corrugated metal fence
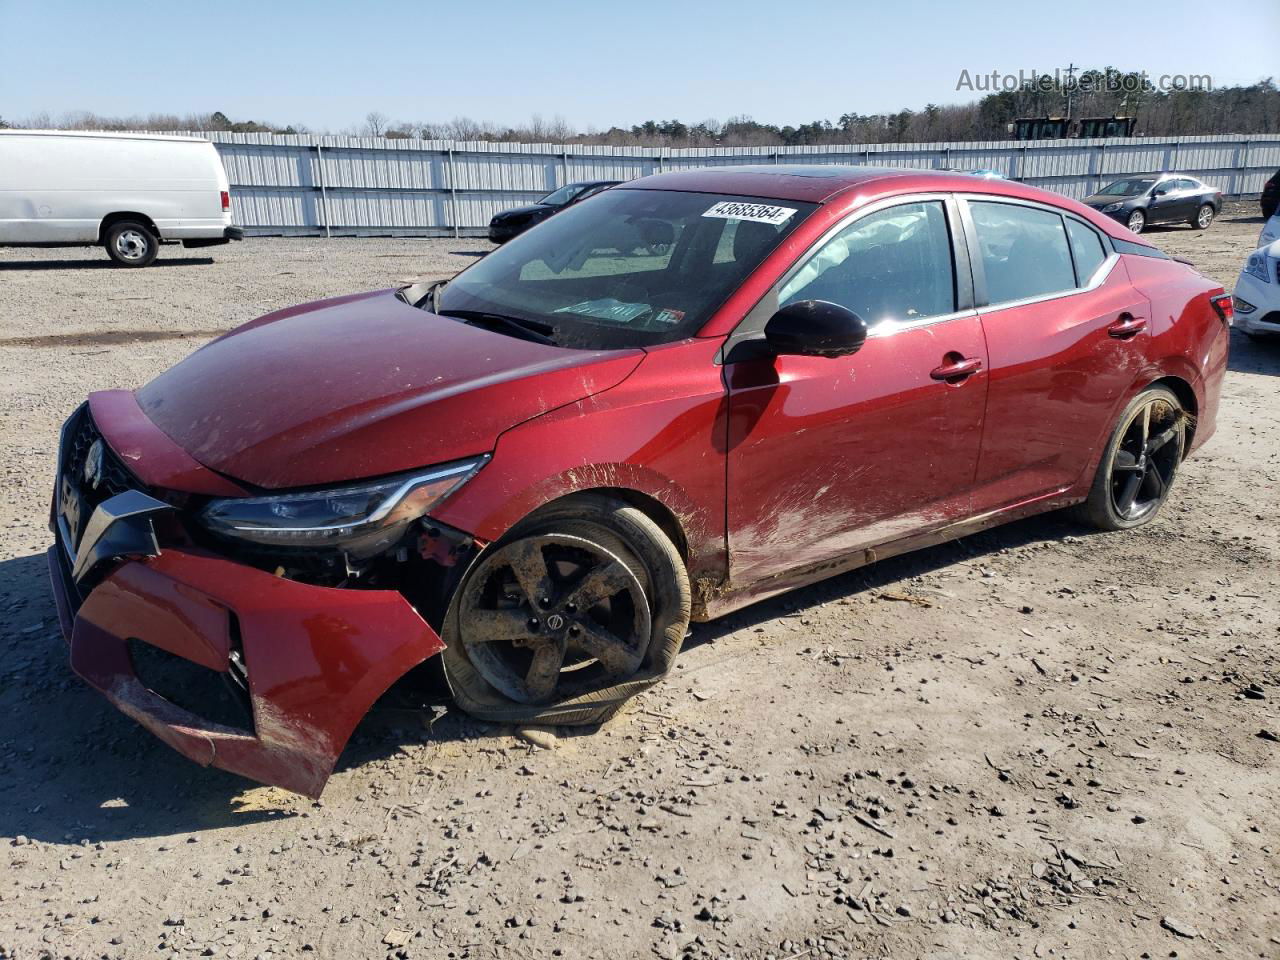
x=306 y=185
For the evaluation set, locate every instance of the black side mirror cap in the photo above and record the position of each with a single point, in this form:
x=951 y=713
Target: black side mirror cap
x=815 y=328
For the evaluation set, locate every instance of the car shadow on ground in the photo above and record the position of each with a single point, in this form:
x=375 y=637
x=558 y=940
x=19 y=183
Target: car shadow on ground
x=79 y=770
x=103 y=264
x=1254 y=356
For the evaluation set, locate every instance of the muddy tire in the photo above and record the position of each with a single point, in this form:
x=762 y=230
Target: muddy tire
x=131 y=244
x=519 y=649
x=1138 y=466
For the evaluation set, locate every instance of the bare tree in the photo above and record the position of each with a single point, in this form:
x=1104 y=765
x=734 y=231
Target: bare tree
x=374 y=123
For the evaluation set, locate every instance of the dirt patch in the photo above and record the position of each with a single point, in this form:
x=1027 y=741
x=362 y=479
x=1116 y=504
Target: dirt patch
x=1036 y=742
x=102 y=338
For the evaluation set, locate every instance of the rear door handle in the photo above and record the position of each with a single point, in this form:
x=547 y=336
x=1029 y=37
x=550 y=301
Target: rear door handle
x=957 y=370
x=1127 y=326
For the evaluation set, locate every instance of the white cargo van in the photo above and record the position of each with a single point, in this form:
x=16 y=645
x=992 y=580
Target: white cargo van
x=129 y=192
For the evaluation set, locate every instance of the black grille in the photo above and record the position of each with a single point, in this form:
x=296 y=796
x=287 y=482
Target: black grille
x=89 y=472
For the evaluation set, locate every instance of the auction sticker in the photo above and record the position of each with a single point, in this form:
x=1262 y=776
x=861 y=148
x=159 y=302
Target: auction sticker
x=757 y=212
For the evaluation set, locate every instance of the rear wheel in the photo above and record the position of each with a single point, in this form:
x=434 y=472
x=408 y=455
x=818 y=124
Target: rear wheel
x=1137 y=221
x=1138 y=466
x=131 y=244
x=1204 y=217
x=577 y=610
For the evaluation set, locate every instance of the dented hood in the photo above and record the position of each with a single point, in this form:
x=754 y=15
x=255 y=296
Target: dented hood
x=362 y=386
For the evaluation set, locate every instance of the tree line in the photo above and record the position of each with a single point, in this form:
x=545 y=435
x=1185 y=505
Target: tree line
x=1254 y=108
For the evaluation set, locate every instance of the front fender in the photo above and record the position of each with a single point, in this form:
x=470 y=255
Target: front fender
x=660 y=433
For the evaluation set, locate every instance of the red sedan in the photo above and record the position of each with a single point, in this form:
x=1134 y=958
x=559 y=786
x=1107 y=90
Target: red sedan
x=685 y=394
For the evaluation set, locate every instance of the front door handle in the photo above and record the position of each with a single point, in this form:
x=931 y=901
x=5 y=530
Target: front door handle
x=953 y=371
x=1127 y=326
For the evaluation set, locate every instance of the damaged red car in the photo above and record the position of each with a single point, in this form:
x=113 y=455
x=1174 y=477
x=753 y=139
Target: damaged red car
x=683 y=395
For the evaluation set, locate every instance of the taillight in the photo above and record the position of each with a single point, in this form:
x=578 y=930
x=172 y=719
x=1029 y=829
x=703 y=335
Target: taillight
x=226 y=201
x=1224 y=308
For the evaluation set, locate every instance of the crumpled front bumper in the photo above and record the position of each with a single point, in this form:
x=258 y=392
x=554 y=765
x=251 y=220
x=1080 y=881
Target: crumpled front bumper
x=316 y=658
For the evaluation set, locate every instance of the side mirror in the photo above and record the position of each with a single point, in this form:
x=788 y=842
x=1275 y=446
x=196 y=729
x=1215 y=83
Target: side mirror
x=815 y=328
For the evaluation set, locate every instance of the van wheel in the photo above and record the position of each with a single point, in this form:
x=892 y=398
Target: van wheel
x=577 y=610
x=131 y=244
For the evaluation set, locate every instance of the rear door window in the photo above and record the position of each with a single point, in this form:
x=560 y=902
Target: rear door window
x=1024 y=251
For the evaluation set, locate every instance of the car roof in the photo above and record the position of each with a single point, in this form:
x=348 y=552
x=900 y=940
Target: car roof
x=819 y=183
x=822 y=183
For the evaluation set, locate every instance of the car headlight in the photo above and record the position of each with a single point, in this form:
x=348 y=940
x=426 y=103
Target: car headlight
x=1112 y=207
x=1257 y=267
x=362 y=518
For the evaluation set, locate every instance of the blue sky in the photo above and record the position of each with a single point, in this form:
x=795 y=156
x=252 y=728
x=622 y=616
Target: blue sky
x=327 y=64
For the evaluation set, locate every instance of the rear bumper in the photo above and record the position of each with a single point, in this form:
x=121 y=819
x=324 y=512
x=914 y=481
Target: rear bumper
x=228 y=234
x=315 y=658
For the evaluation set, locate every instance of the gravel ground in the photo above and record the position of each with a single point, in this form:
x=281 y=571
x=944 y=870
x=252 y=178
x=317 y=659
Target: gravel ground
x=1035 y=742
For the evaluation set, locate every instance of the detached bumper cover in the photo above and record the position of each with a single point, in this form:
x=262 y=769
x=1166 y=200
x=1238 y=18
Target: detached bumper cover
x=316 y=658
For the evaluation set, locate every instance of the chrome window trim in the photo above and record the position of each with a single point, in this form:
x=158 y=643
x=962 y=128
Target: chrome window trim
x=1099 y=277
x=887 y=328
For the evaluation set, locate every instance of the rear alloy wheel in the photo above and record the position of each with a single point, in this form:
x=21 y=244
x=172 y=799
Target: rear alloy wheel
x=567 y=618
x=1137 y=221
x=131 y=244
x=1139 y=463
x=1203 y=217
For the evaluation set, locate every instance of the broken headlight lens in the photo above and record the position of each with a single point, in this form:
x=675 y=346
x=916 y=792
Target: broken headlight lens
x=361 y=519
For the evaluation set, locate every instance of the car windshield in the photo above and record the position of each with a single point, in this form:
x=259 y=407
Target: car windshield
x=1128 y=188
x=625 y=268
x=562 y=196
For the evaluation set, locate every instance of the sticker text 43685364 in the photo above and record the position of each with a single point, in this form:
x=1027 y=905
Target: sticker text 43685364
x=757 y=212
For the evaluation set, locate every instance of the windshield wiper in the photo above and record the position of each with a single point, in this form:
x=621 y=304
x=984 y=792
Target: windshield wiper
x=529 y=329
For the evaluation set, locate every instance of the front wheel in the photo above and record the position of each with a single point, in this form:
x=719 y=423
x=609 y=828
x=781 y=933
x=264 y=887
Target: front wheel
x=1137 y=222
x=574 y=612
x=1204 y=217
x=131 y=244
x=1138 y=465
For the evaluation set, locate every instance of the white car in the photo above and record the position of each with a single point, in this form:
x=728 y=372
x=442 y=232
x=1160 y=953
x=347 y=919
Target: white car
x=1270 y=230
x=127 y=192
x=1257 y=295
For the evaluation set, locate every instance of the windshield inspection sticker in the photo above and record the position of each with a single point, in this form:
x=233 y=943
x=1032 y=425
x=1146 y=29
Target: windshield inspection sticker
x=757 y=212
